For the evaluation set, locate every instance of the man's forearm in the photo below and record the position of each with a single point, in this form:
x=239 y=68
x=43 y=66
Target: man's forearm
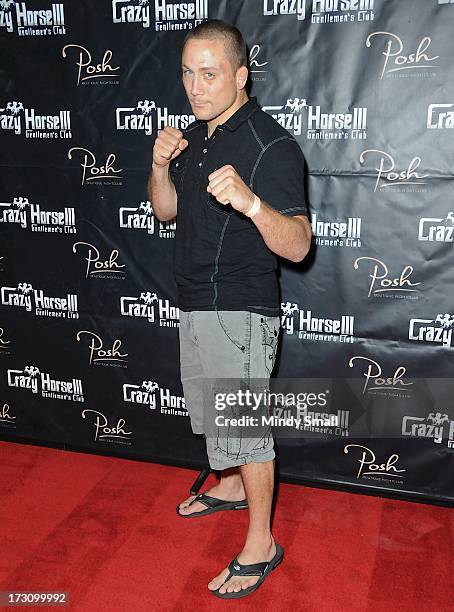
x=286 y=236
x=162 y=193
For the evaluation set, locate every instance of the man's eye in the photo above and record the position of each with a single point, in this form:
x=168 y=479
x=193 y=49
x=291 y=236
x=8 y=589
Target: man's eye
x=210 y=75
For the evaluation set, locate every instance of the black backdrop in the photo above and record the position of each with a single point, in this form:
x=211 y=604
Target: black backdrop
x=89 y=324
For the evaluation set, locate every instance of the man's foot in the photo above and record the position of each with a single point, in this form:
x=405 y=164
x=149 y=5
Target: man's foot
x=247 y=556
x=219 y=491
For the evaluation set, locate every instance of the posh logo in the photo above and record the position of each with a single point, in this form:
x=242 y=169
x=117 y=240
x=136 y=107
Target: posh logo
x=99 y=355
x=256 y=67
x=368 y=465
x=87 y=70
x=104 y=430
x=91 y=172
x=5 y=417
x=395 y=58
x=98 y=267
x=374 y=379
x=387 y=176
x=380 y=281
x=4 y=343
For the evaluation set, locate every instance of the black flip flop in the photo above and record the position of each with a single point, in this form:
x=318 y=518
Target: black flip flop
x=214 y=504
x=253 y=569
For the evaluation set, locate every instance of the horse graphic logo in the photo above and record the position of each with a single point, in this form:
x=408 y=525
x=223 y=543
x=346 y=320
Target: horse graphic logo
x=438 y=418
x=148 y=297
x=450 y=217
x=147 y=208
x=32 y=371
x=14 y=107
x=25 y=288
x=150 y=386
x=21 y=203
x=5 y=5
x=296 y=105
x=146 y=106
x=445 y=320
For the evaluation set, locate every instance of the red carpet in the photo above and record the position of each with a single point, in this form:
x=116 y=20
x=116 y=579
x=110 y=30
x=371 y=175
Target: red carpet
x=106 y=530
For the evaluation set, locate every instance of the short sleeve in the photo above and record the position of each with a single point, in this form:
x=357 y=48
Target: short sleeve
x=279 y=177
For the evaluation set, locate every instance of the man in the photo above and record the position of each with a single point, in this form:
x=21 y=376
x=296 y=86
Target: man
x=235 y=179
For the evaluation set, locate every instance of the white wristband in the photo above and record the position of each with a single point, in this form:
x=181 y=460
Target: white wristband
x=254 y=208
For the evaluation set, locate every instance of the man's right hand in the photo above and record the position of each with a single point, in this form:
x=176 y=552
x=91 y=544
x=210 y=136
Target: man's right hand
x=168 y=145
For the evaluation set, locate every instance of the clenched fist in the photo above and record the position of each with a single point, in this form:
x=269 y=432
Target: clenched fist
x=168 y=145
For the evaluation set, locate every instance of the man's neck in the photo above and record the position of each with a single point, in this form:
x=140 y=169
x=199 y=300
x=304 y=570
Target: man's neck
x=212 y=125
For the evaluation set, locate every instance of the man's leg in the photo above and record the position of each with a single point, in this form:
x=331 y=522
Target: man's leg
x=230 y=486
x=258 y=479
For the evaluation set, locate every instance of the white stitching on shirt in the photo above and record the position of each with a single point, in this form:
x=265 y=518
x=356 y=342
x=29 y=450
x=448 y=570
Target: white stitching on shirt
x=262 y=146
x=216 y=260
x=262 y=152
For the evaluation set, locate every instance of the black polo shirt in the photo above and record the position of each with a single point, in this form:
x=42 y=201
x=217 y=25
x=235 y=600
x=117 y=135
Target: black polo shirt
x=221 y=261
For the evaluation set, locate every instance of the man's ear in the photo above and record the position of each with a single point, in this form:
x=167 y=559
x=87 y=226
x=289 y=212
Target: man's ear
x=241 y=77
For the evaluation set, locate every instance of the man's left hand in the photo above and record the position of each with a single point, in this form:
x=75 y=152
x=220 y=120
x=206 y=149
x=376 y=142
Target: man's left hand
x=226 y=185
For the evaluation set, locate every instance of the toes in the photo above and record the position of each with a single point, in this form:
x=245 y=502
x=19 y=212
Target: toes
x=218 y=580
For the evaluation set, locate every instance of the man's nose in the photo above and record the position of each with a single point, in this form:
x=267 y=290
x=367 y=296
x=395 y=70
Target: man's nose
x=196 y=86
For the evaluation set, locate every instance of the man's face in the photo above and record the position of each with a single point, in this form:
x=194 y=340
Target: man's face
x=208 y=78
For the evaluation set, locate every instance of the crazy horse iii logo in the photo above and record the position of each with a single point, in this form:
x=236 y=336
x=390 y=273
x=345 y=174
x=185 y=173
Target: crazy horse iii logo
x=28 y=22
x=140 y=117
x=24 y=296
x=142 y=218
x=322 y=11
x=436 y=426
x=16 y=118
x=167 y=15
x=320 y=125
x=24 y=214
x=152 y=308
x=150 y=394
x=438 y=330
x=32 y=379
x=437 y=229
x=308 y=327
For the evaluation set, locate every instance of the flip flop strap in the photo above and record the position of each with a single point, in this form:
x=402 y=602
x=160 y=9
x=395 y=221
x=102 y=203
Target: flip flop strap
x=252 y=569
x=206 y=500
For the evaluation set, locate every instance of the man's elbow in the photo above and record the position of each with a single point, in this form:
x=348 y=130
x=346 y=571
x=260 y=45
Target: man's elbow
x=303 y=249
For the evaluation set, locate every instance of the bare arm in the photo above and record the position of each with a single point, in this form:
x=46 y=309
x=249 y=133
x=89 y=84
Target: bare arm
x=162 y=193
x=161 y=190
x=287 y=236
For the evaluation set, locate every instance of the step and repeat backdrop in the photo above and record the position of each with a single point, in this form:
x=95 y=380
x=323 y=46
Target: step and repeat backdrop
x=89 y=355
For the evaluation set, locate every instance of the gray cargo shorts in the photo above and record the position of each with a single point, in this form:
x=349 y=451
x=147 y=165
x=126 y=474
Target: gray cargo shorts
x=226 y=344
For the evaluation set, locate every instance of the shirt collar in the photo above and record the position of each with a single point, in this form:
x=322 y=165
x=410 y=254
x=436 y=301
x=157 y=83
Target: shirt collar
x=238 y=117
x=242 y=114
